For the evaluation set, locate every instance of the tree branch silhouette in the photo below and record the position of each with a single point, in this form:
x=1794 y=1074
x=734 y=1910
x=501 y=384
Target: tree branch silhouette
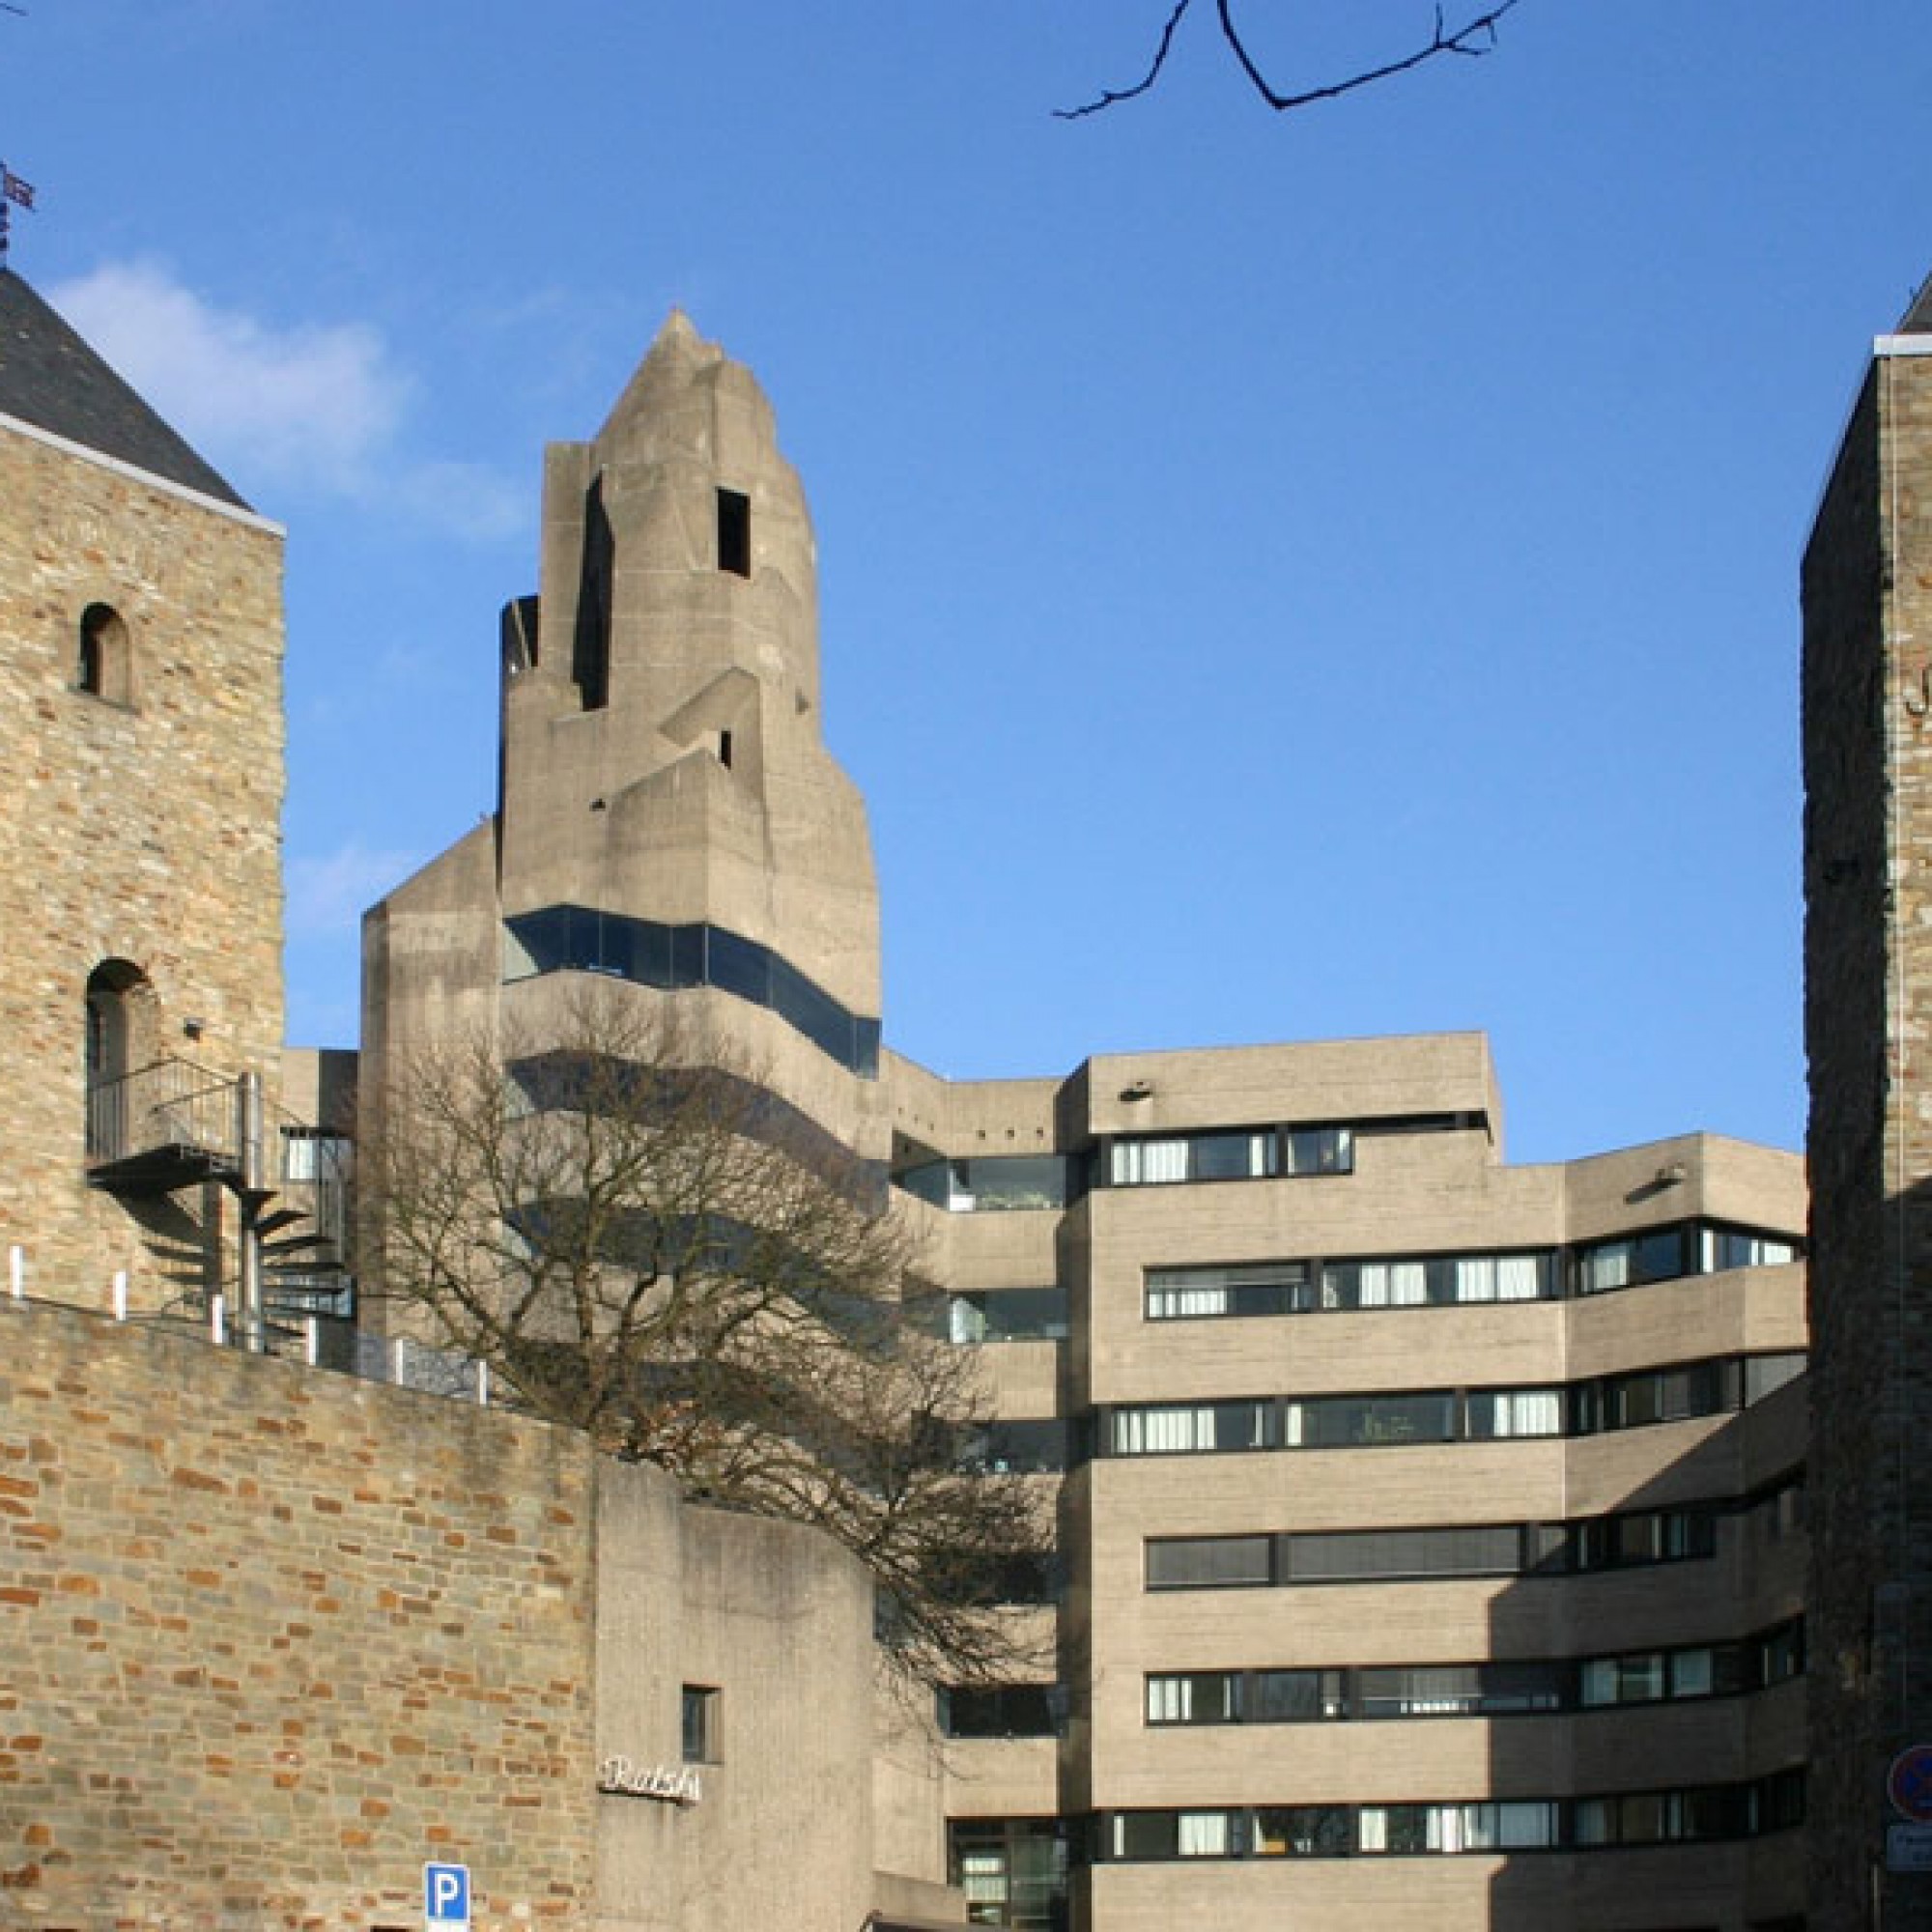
x=1473 y=40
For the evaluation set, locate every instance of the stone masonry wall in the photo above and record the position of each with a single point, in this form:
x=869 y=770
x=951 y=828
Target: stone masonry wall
x=147 y=830
x=271 y=1638
x=1867 y=685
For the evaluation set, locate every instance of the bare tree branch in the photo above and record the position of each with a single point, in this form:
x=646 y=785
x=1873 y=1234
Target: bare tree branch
x=1109 y=97
x=1473 y=40
x=609 y=1223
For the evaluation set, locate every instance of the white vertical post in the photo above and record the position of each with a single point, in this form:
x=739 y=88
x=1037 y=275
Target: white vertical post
x=314 y=1341
x=119 y=1295
x=16 y=1271
x=217 y=1320
x=482 y=1383
x=396 y=1359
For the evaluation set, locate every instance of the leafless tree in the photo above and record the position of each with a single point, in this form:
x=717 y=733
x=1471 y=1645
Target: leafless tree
x=642 y=1245
x=1472 y=39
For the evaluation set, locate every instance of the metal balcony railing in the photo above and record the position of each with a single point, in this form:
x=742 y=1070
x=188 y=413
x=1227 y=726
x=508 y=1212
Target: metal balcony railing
x=172 y=1105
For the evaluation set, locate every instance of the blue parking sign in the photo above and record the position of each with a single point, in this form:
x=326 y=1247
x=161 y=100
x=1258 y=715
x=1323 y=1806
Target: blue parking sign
x=447 y=1897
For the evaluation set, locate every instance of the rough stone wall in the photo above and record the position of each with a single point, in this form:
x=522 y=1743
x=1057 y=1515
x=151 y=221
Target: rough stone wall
x=272 y=1638
x=147 y=830
x=1868 y=590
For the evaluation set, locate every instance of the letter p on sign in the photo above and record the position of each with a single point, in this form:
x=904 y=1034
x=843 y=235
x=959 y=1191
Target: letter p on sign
x=447 y=1897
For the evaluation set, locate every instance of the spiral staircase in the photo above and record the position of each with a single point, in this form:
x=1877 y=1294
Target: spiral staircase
x=172 y=1126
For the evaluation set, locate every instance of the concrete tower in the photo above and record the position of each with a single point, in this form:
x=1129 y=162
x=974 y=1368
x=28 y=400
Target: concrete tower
x=1867 y=593
x=669 y=819
x=142 y=737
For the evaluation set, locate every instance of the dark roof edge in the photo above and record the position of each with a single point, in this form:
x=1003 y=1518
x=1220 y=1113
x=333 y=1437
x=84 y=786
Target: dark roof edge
x=52 y=377
x=227 y=506
x=1917 y=319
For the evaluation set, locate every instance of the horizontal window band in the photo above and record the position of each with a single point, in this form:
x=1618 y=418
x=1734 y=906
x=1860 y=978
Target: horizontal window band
x=674 y=958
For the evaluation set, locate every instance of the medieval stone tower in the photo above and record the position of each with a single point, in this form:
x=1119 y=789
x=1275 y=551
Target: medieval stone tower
x=670 y=828
x=141 y=732
x=1867 y=593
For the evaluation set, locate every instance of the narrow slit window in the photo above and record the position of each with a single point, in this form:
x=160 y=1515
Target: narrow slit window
x=698 y=1713
x=103 y=663
x=734 y=533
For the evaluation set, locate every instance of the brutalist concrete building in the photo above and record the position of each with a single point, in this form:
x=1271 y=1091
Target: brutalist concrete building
x=1430 y=1541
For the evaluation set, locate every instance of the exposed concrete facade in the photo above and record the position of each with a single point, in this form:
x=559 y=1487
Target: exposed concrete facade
x=669 y=819
x=1867 y=594
x=1572 y=1689
x=1316 y=1247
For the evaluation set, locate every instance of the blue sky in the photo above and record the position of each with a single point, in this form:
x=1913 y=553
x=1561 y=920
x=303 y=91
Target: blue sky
x=1290 y=577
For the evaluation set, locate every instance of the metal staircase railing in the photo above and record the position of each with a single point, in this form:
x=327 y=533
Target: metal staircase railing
x=174 y=1124
x=170 y=1104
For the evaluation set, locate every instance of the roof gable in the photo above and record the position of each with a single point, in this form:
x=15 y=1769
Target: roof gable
x=51 y=379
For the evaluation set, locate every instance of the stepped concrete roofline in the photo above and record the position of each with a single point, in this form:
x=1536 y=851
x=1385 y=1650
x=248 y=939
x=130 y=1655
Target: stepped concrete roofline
x=50 y=378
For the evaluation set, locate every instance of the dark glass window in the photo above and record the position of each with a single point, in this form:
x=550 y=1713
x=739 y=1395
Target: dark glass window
x=1209 y=1562
x=1302 y=1831
x=1291 y=1697
x=1206 y=1428
x=698 y=1704
x=990 y=1183
x=1366 y=1555
x=1004 y=1315
x=1321 y=1151
x=999 y=1711
x=1012 y=1870
x=580 y=939
x=734 y=533
x=1006 y=1448
x=1264 y=1288
x=1245 y=1153
x=1355 y=1422
x=1657 y=1254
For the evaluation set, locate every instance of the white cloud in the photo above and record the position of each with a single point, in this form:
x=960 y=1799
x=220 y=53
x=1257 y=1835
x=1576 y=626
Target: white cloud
x=312 y=407
x=330 y=894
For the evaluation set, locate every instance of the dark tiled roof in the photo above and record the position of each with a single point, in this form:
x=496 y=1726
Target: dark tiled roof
x=51 y=379
x=1918 y=317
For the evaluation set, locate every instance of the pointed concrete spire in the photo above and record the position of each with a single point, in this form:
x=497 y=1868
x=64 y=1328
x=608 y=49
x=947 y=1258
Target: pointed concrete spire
x=677 y=356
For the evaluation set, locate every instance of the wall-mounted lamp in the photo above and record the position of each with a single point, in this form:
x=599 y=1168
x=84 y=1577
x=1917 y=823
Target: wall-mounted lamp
x=1671 y=1173
x=1137 y=1090
x=193 y=1028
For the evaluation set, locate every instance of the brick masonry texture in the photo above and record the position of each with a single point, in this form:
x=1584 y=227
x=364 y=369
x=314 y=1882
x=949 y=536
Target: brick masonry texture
x=148 y=831
x=272 y=1638
x=1867 y=587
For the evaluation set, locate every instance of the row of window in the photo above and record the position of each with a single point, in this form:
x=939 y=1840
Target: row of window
x=1455 y=1280
x=1626 y=1539
x=1251 y=1154
x=1679 y=1392
x=1049 y=1444
x=1697 y=1814
x=580 y=939
x=996 y=1184
x=1493 y=1690
x=1307 y=1286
